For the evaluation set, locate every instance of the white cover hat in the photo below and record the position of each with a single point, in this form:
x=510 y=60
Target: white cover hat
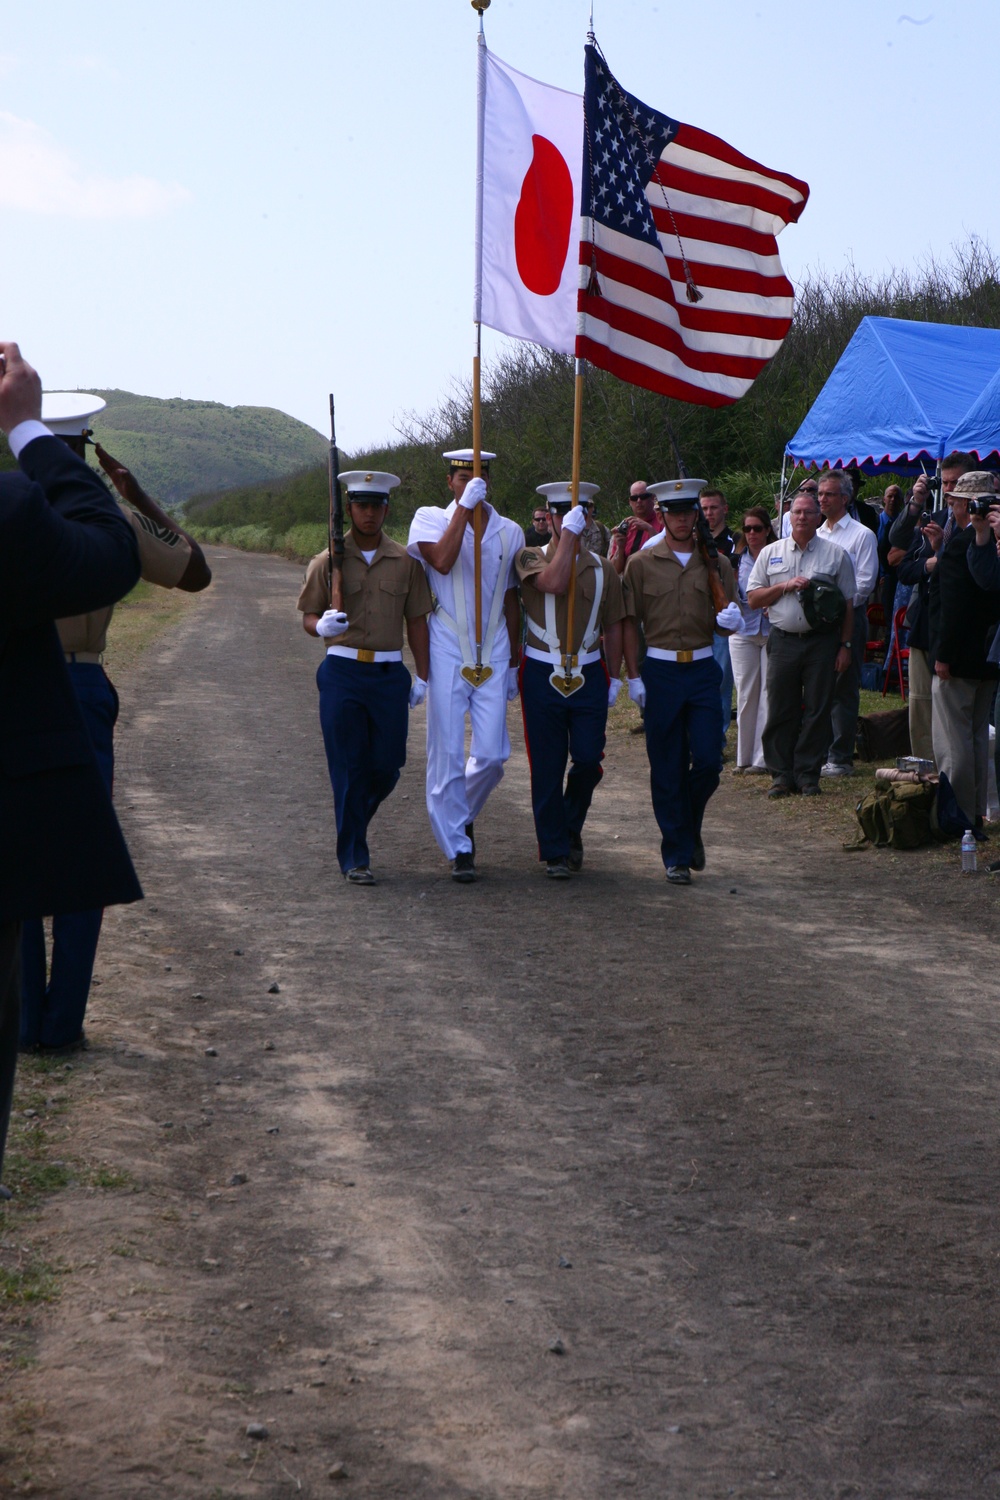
x=560 y=492
x=464 y=458
x=68 y=413
x=679 y=494
x=368 y=483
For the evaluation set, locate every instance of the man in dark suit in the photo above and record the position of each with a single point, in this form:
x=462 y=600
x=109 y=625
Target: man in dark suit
x=65 y=549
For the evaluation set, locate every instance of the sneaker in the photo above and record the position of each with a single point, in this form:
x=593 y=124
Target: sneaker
x=810 y=789
x=557 y=869
x=678 y=874
x=360 y=875
x=463 y=868
x=780 y=789
x=834 y=768
x=575 y=859
x=698 y=854
x=470 y=834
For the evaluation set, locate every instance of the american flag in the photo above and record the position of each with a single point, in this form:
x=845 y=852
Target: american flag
x=681 y=288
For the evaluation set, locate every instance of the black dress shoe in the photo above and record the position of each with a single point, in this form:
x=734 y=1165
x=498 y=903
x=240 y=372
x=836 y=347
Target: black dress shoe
x=678 y=875
x=780 y=789
x=63 y=1049
x=575 y=857
x=811 y=789
x=557 y=869
x=360 y=875
x=5 y=1195
x=463 y=868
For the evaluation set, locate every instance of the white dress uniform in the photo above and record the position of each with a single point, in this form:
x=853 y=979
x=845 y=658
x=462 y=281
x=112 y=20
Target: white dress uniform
x=457 y=788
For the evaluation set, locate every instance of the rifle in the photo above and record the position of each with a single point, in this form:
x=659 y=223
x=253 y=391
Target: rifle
x=710 y=555
x=336 y=527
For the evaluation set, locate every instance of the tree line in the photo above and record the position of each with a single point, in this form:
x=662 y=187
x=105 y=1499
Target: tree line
x=528 y=410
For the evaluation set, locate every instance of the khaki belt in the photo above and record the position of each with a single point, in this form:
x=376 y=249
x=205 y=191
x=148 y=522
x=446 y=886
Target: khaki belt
x=353 y=654
x=87 y=658
x=701 y=654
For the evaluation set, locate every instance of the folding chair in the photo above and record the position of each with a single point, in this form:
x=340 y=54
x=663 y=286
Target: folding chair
x=876 y=622
x=898 y=654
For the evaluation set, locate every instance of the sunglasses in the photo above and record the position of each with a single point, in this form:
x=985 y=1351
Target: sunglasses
x=753 y=528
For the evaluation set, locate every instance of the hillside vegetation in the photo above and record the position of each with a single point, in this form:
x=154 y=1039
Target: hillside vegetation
x=177 y=447
x=528 y=414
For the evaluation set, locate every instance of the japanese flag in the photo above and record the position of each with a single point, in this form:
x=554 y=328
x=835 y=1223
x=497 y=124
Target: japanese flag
x=532 y=155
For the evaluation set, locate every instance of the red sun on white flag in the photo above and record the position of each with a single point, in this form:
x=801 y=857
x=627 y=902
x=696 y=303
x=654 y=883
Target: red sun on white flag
x=532 y=159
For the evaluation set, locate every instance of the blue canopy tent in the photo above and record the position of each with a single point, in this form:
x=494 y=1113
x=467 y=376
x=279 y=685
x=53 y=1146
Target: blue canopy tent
x=903 y=396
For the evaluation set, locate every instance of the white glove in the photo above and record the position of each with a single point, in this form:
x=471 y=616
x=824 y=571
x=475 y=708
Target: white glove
x=512 y=686
x=332 y=623
x=575 y=520
x=473 y=494
x=614 y=688
x=637 y=691
x=729 y=618
x=418 y=692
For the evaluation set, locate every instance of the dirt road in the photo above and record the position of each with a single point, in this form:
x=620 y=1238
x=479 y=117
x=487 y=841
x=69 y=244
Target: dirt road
x=508 y=1190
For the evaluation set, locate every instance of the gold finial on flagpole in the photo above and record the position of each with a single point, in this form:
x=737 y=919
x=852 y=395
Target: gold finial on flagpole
x=480 y=5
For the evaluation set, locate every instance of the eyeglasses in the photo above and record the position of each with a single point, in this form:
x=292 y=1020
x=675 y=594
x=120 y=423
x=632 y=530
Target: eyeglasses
x=753 y=528
x=543 y=516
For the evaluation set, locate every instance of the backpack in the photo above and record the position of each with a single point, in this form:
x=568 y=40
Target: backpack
x=897 y=814
x=823 y=605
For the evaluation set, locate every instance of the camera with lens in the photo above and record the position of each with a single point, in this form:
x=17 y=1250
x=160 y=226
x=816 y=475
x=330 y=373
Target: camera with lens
x=925 y=516
x=622 y=527
x=983 y=504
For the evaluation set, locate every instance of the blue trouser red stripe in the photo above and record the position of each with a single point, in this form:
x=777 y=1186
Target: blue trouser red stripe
x=683 y=741
x=558 y=730
x=364 y=714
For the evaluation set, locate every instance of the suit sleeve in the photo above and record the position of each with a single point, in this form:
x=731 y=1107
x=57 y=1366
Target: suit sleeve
x=984 y=565
x=68 y=548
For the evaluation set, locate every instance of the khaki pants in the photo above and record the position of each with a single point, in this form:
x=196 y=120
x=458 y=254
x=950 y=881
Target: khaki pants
x=962 y=737
x=921 y=740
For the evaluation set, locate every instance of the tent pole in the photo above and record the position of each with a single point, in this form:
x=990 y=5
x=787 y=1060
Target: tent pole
x=781 y=491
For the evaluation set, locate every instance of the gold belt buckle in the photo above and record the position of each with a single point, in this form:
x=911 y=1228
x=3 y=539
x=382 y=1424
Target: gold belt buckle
x=366 y=656
x=685 y=656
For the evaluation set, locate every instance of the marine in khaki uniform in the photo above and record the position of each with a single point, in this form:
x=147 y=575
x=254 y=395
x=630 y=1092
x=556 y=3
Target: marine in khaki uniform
x=668 y=594
x=53 y=1009
x=561 y=725
x=365 y=691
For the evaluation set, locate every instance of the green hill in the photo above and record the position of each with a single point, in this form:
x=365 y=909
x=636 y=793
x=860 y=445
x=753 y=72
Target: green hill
x=177 y=448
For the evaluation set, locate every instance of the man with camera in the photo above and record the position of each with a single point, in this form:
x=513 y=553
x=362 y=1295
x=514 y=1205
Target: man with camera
x=961 y=614
x=916 y=566
x=630 y=535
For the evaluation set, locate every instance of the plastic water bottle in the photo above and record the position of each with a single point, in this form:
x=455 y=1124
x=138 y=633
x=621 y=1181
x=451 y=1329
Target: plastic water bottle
x=968 y=852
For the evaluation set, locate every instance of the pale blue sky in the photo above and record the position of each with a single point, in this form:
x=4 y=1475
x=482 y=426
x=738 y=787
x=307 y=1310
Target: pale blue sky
x=259 y=203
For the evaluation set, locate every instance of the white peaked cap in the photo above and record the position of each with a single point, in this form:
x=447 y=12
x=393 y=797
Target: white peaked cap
x=466 y=457
x=68 y=413
x=561 y=490
x=369 y=482
x=679 y=492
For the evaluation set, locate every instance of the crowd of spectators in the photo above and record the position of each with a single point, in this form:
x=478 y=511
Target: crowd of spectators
x=922 y=572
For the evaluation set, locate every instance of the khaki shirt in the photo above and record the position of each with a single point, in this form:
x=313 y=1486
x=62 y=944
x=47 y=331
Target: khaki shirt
x=532 y=560
x=673 y=602
x=780 y=562
x=377 y=597
x=163 y=557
